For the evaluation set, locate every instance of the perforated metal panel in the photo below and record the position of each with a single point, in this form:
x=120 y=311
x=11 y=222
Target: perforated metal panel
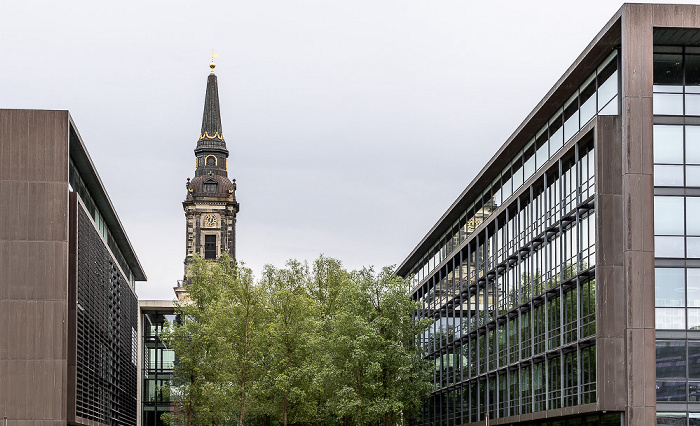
x=107 y=315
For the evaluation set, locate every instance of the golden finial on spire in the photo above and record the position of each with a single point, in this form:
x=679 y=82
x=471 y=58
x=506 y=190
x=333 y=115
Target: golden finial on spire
x=212 y=64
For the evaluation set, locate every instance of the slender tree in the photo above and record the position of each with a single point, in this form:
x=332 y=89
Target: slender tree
x=218 y=344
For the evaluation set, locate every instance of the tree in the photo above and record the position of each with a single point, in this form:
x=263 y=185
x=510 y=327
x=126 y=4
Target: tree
x=385 y=378
x=287 y=332
x=304 y=345
x=217 y=344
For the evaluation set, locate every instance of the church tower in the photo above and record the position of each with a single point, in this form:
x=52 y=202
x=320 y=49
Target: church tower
x=210 y=205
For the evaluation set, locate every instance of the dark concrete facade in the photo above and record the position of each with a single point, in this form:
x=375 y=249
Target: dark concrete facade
x=39 y=275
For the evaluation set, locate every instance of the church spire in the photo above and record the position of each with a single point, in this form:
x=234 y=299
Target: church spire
x=211 y=121
x=210 y=204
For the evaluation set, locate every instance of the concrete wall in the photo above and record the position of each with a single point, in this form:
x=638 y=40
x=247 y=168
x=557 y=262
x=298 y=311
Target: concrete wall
x=33 y=266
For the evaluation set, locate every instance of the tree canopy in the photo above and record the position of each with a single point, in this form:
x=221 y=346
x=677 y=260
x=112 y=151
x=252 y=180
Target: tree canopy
x=306 y=344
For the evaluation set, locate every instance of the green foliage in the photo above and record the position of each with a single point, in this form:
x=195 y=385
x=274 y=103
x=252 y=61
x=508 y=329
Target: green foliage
x=305 y=345
x=217 y=344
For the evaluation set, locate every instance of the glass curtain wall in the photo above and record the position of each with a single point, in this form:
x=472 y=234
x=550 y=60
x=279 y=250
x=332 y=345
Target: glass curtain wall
x=677 y=232
x=514 y=309
x=598 y=95
x=158 y=363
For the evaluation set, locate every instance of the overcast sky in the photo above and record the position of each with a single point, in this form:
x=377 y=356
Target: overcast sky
x=352 y=125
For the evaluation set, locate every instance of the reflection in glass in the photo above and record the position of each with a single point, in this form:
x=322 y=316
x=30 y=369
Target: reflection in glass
x=672 y=419
x=671 y=391
x=692 y=73
x=694 y=396
x=668 y=144
x=693 y=318
x=668 y=175
x=668 y=72
x=694 y=359
x=668 y=104
x=669 y=215
x=670 y=287
x=670 y=318
x=670 y=359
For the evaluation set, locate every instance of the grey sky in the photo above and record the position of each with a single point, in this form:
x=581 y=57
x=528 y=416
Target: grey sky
x=352 y=125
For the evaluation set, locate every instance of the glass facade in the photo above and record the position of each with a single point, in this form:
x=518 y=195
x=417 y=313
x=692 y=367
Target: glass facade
x=598 y=95
x=677 y=232
x=158 y=363
x=512 y=288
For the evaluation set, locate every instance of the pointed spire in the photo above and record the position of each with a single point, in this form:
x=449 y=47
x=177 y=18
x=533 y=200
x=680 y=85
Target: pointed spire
x=211 y=121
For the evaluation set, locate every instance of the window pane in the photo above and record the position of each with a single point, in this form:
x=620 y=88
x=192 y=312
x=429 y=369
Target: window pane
x=693 y=286
x=669 y=247
x=693 y=318
x=693 y=247
x=542 y=144
x=670 y=318
x=610 y=108
x=588 y=102
x=693 y=395
x=672 y=419
x=692 y=104
x=692 y=214
x=668 y=144
x=694 y=359
x=692 y=73
x=668 y=104
x=608 y=89
x=571 y=124
x=692 y=144
x=670 y=287
x=671 y=391
x=692 y=175
x=668 y=175
x=670 y=359
x=556 y=133
x=529 y=167
x=668 y=71
x=517 y=178
x=669 y=216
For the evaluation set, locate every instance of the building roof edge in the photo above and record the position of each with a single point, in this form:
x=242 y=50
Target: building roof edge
x=87 y=169
x=529 y=125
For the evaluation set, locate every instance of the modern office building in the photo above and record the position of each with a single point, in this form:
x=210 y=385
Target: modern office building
x=68 y=310
x=564 y=281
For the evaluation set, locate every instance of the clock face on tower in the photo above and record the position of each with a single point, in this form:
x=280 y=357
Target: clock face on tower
x=210 y=220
